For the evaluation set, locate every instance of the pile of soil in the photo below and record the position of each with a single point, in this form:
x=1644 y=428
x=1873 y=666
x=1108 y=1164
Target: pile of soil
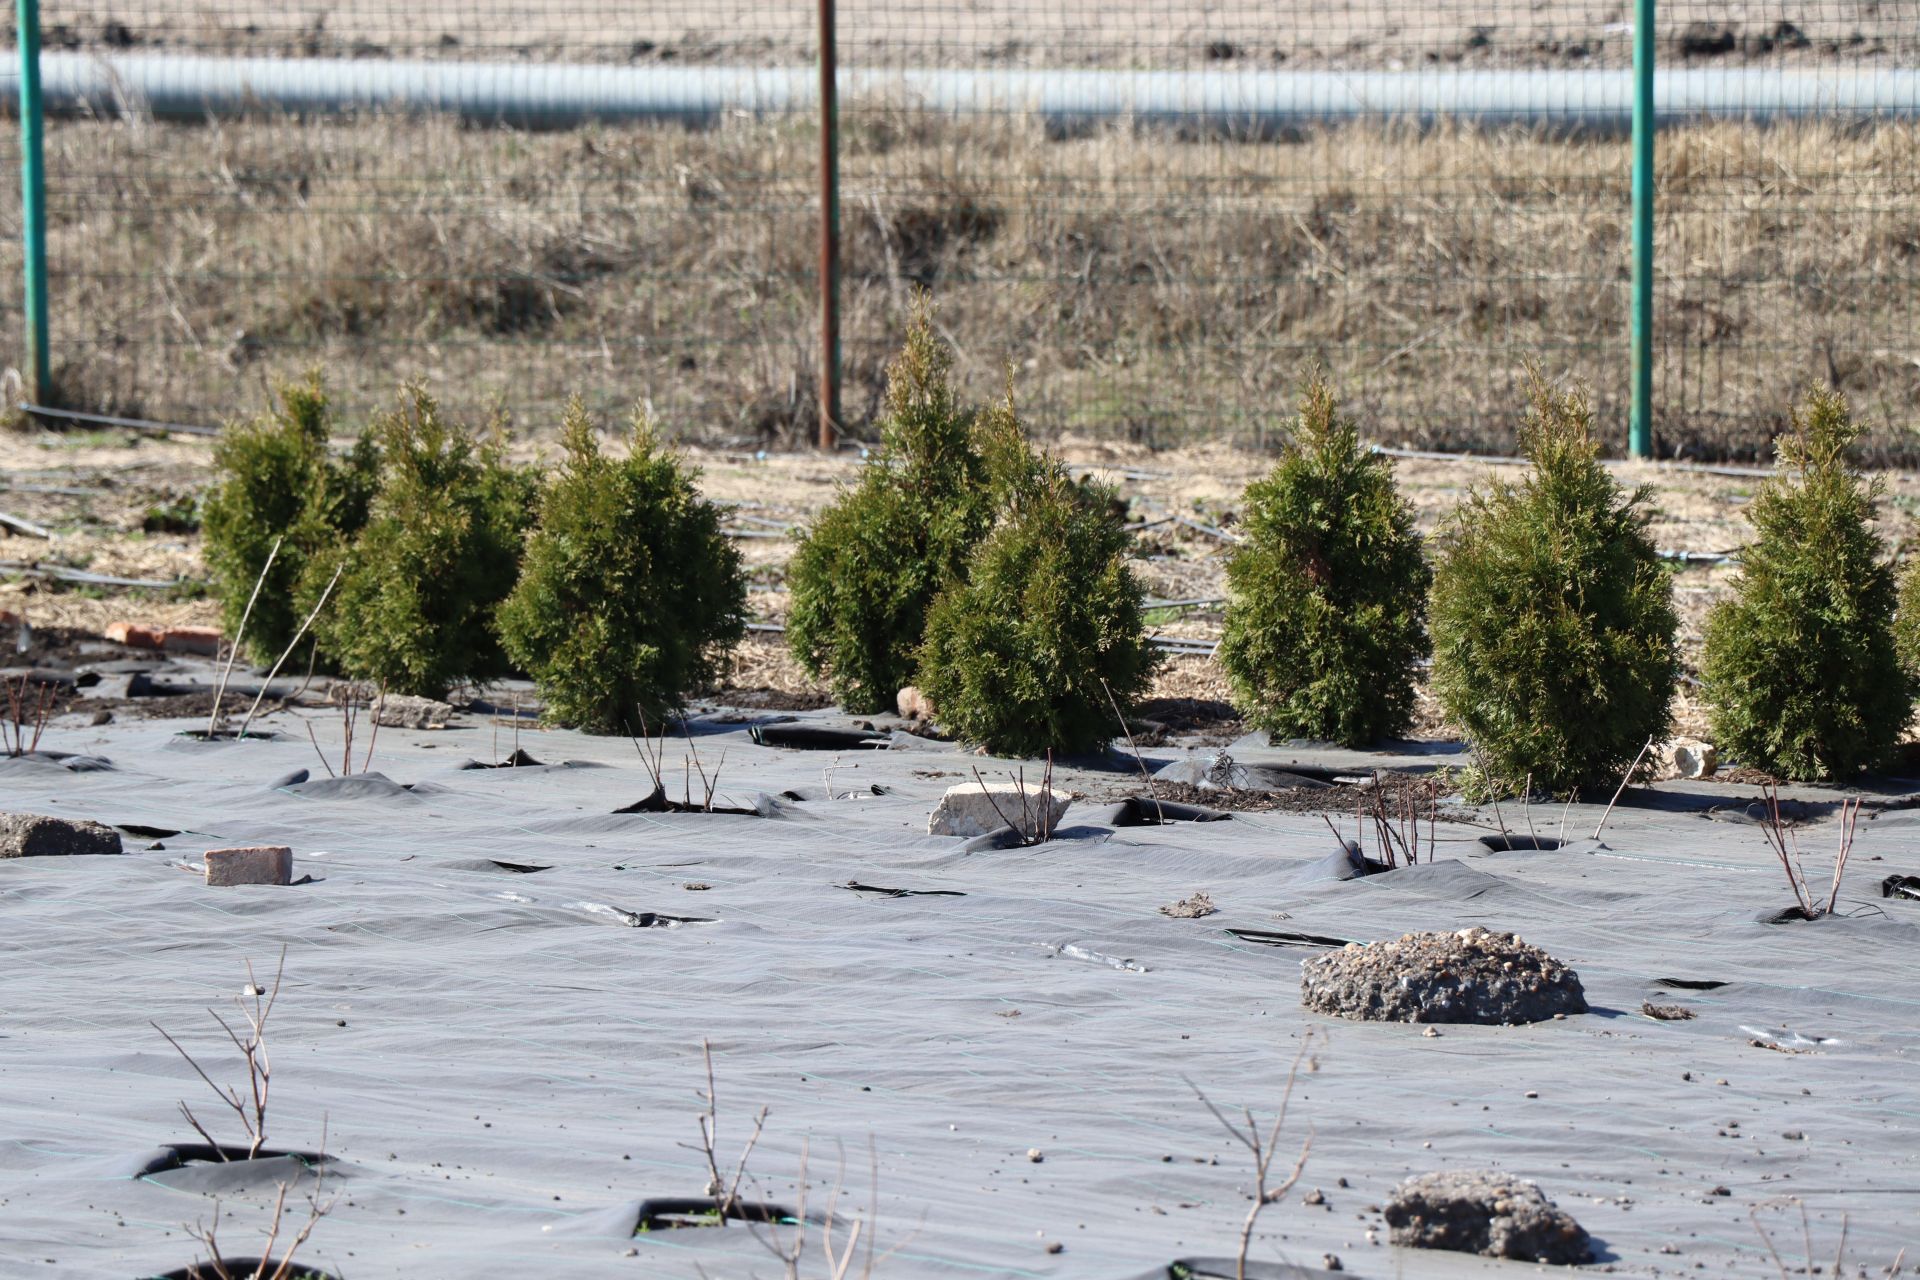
x=1480 y=1211
x=1493 y=979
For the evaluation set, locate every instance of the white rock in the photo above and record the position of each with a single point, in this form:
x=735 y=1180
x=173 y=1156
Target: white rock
x=1692 y=758
x=973 y=809
x=913 y=704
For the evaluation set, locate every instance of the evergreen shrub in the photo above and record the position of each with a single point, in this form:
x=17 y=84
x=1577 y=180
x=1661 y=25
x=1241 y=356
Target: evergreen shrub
x=630 y=596
x=1022 y=652
x=867 y=570
x=1328 y=594
x=420 y=583
x=1803 y=674
x=1553 y=620
x=274 y=480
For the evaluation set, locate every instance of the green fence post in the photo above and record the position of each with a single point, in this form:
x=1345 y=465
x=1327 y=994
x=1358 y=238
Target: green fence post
x=33 y=208
x=1640 y=428
x=829 y=230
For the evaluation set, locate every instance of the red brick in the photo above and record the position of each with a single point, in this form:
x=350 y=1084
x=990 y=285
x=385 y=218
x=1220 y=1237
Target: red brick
x=258 y=864
x=135 y=635
x=204 y=640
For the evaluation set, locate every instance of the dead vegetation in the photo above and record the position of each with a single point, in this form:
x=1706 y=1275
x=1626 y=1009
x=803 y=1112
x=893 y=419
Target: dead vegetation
x=1785 y=845
x=250 y=1109
x=1172 y=294
x=1263 y=1147
x=28 y=705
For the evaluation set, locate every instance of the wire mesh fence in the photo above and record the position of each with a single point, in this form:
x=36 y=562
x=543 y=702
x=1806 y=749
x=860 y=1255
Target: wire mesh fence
x=1151 y=214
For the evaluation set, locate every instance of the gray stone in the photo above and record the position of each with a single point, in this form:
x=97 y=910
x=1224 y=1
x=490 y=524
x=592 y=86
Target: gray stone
x=1480 y=1211
x=1476 y=976
x=33 y=835
x=974 y=809
x=395 y=710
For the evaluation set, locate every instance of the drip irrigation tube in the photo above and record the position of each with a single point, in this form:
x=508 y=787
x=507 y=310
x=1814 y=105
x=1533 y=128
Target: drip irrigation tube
x=560 y=95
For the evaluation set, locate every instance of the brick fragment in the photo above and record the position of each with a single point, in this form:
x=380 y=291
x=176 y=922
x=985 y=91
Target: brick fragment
x=258 y=864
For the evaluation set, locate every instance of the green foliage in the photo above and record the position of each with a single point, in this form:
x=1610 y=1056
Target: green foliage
x=179 y=514
x=1802 y=671
x=274 y=479
x=1906 y=622
x=419 y=585
x=1328 y=604
x=630 y=595
x=866 y=572
x=1016 y=652
x=1553 y=620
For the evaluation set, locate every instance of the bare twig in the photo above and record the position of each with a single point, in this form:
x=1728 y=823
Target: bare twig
x=317 y=751
x=1618 y=791
x=252 y=1110
x=239 y=636
x=725 y=1190
x=378 y=707
x=291 y=646
x=1849 y=818
x=1493 y=789
x=1134 y=747
x=1263 y=1150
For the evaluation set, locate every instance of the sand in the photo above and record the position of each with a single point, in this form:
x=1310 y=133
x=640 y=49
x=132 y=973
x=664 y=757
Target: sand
x=504 y=1069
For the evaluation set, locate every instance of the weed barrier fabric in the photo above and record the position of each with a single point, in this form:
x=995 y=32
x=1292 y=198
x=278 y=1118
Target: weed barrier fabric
x=492 y=1053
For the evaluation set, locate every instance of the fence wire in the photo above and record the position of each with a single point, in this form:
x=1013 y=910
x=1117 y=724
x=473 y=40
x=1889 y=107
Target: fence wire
x=1157 y=275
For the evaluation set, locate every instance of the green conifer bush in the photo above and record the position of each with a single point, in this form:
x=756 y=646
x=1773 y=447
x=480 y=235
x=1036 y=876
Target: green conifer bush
x=1553 y=619
x=866 y=572
x=1328 y=594
x=420 y=583
x=1802 y=671
x=274 y=480
x=1017 y=651
x=1906 y=621
x=630 y=596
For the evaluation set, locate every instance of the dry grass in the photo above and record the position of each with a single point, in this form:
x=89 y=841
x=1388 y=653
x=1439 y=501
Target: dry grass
x=1145 y=288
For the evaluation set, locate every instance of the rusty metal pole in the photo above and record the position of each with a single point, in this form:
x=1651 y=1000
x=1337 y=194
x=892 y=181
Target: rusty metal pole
x=829 y=232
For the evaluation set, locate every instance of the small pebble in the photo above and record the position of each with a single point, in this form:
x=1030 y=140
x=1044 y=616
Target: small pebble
x=1033 y=1154
x=1533 y=1093
x=1055 y=1246
x=1331 y=1262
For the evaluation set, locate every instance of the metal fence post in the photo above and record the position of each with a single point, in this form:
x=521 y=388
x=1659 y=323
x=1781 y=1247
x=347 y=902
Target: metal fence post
x=37 y=367
x=1640 y=428
x=829 y=232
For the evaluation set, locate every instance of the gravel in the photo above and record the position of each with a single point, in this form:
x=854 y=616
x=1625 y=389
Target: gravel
x=1474 y=975
x=1480 y=1211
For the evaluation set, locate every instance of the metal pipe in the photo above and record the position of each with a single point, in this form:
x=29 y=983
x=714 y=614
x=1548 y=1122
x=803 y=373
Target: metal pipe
x=38 y=365
x=557 y=95
x=829 y=231
x=1640 y=422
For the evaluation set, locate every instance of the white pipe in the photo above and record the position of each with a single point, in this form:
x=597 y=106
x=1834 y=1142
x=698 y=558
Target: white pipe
x=558 y=95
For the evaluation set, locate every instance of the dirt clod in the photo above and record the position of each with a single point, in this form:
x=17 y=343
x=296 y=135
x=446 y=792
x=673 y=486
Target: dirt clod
x=1193 y=908
x=1471 y=976
x=32 y=835
x=1480 y=1211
